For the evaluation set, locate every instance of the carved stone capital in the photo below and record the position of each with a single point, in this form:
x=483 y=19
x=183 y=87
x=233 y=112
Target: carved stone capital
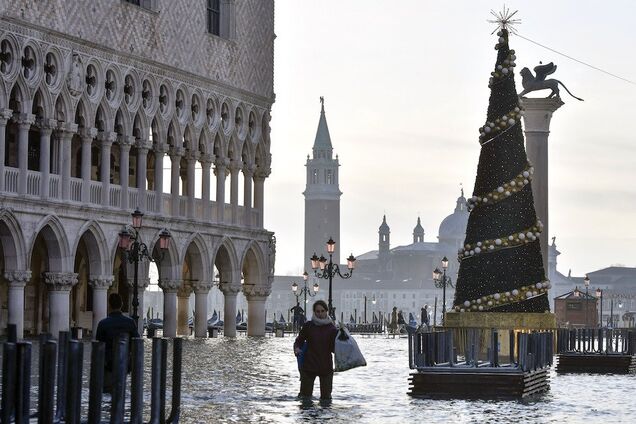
x=170 y=286
x=161 y=148
x=202 y=287
x=46 y=125
x=144 y=145
x=5 y=115
x=60 y=281
x=234 y=167
x=17 y=278
x=185 y=290
x=88 y=134
x=126 y=141
x=24 y=120
x=176 y=152
x=222 y=163
x=106 y=138
x=66 y=129
x=229 y=289
x=206 y=159
x=191 y=156
x=254 y=292
x=101 y=282
x=248 y=170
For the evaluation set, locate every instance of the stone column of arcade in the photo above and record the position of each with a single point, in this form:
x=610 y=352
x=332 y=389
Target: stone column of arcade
x=183 y=300
x=256 y=298
x=201 y=290
x=17 y=280
x=229 y=308
x=65 y=133
x=536 y=118
x=5 y=115
x=60 y=285
x=220 y=169
x=24 y=121
x=87 y=135
x=100 y=285
x=169 y=288
x=46 y=129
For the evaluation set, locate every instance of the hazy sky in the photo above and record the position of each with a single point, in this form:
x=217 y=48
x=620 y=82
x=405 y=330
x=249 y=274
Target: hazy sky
x=405 y=86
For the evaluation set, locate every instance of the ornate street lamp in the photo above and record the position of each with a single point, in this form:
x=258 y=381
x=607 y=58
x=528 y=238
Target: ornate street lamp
x=599 y=294
x=328 y=270
x=136 y=251
x=304 y=291
x=441 y=281
x=586 y=280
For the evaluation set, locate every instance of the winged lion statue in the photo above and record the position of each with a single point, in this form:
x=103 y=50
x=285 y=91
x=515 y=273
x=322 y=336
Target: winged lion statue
x=534 y=83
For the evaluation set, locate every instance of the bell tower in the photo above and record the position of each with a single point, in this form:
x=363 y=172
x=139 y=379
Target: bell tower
x=322 y=195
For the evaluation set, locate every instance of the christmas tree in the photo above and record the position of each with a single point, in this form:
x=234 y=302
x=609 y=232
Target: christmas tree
x=501 y=269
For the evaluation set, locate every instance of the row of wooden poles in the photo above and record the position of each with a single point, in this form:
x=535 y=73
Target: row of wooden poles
x=597 y=340
x=63 y=361
x=528 y=351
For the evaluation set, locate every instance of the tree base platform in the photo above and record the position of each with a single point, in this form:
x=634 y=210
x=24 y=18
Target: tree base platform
x=501 y=320
x=597 y=363
x=478 y=383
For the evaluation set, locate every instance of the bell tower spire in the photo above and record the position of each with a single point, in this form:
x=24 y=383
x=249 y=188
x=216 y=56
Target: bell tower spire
x=322 y=194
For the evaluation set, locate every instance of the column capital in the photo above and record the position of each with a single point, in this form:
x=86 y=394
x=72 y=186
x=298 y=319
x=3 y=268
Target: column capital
x=161 y=148
x=60 y=281
x=248 y=169
x=229 y=289
x=24 y=119
x=192 y=156
x=17 y=278
x=101 y=282
x=66 y=129
x=5 y=115
x=235 y=166
x=106 y=137
x=126 y=141
x=46 y=125
x=262 y=173
x=537 y=113
x=169 y=286
x=185 y=290
x=176 y=151
x=202 y=287
x=256 y=292
x=143 y=144
x=88 y=134
x=206 y=159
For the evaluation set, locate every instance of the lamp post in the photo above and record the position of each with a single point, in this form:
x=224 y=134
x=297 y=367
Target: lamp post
x=599 y=294
x=611 y=319
x=136 y=251
x=441 y=281
x=620 y=307
x=328 y=270
x=304 y=291
x=586 y=280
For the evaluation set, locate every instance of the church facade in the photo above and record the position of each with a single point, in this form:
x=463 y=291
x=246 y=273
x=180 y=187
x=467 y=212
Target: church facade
x=111 y=106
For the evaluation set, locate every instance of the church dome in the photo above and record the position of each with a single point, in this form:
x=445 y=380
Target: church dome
x=454 y=225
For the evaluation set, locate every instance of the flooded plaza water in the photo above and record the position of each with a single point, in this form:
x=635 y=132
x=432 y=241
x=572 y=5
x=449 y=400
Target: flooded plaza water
x=247 y=380
x=256 y=380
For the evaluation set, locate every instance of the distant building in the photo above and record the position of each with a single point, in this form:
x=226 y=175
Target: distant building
x=576 y=309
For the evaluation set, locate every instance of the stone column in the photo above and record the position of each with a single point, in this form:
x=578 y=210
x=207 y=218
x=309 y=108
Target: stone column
x=259 y=194
x=256 y=298
x=60 y=285
x=46 y=129
x=160 y=150
x=536 y=118
x=5 y=115
x=169 y=288
x=143 y=146
x=191 y=157
x=87 y=145
x=229 y=309
x=201 y=290
x=175 y=157
x=17 y=280
x=234 y=171
x=220 y=168
x=183 y=300
x=65 y=133
x=125 y=143
x=106 y=140
x=248 y=174
x=142 y=285
x=100 y=285
x=206 y=161
x=24 y=121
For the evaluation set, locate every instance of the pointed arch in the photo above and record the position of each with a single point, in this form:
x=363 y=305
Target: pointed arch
x=252 y=264
x=63 y=106
x=205 y=141
x=97 y=244
x=42 y=104
x=218 y=147
x=122 y=122
x=57 y=244
x=158 y=131
x=197 y=252
x=226 y=261
x=189 y=138
x=12 y=240
x=20 y=99
x=140 y=128
x=82 y=116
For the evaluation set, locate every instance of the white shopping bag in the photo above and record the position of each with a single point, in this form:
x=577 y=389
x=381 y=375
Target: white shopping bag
x=347 y=353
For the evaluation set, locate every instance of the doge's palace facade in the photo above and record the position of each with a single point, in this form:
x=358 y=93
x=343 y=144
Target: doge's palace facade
x=100 y=103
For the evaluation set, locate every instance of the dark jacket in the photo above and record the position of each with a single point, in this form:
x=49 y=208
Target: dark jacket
x=320 y=344
x=112 y=326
